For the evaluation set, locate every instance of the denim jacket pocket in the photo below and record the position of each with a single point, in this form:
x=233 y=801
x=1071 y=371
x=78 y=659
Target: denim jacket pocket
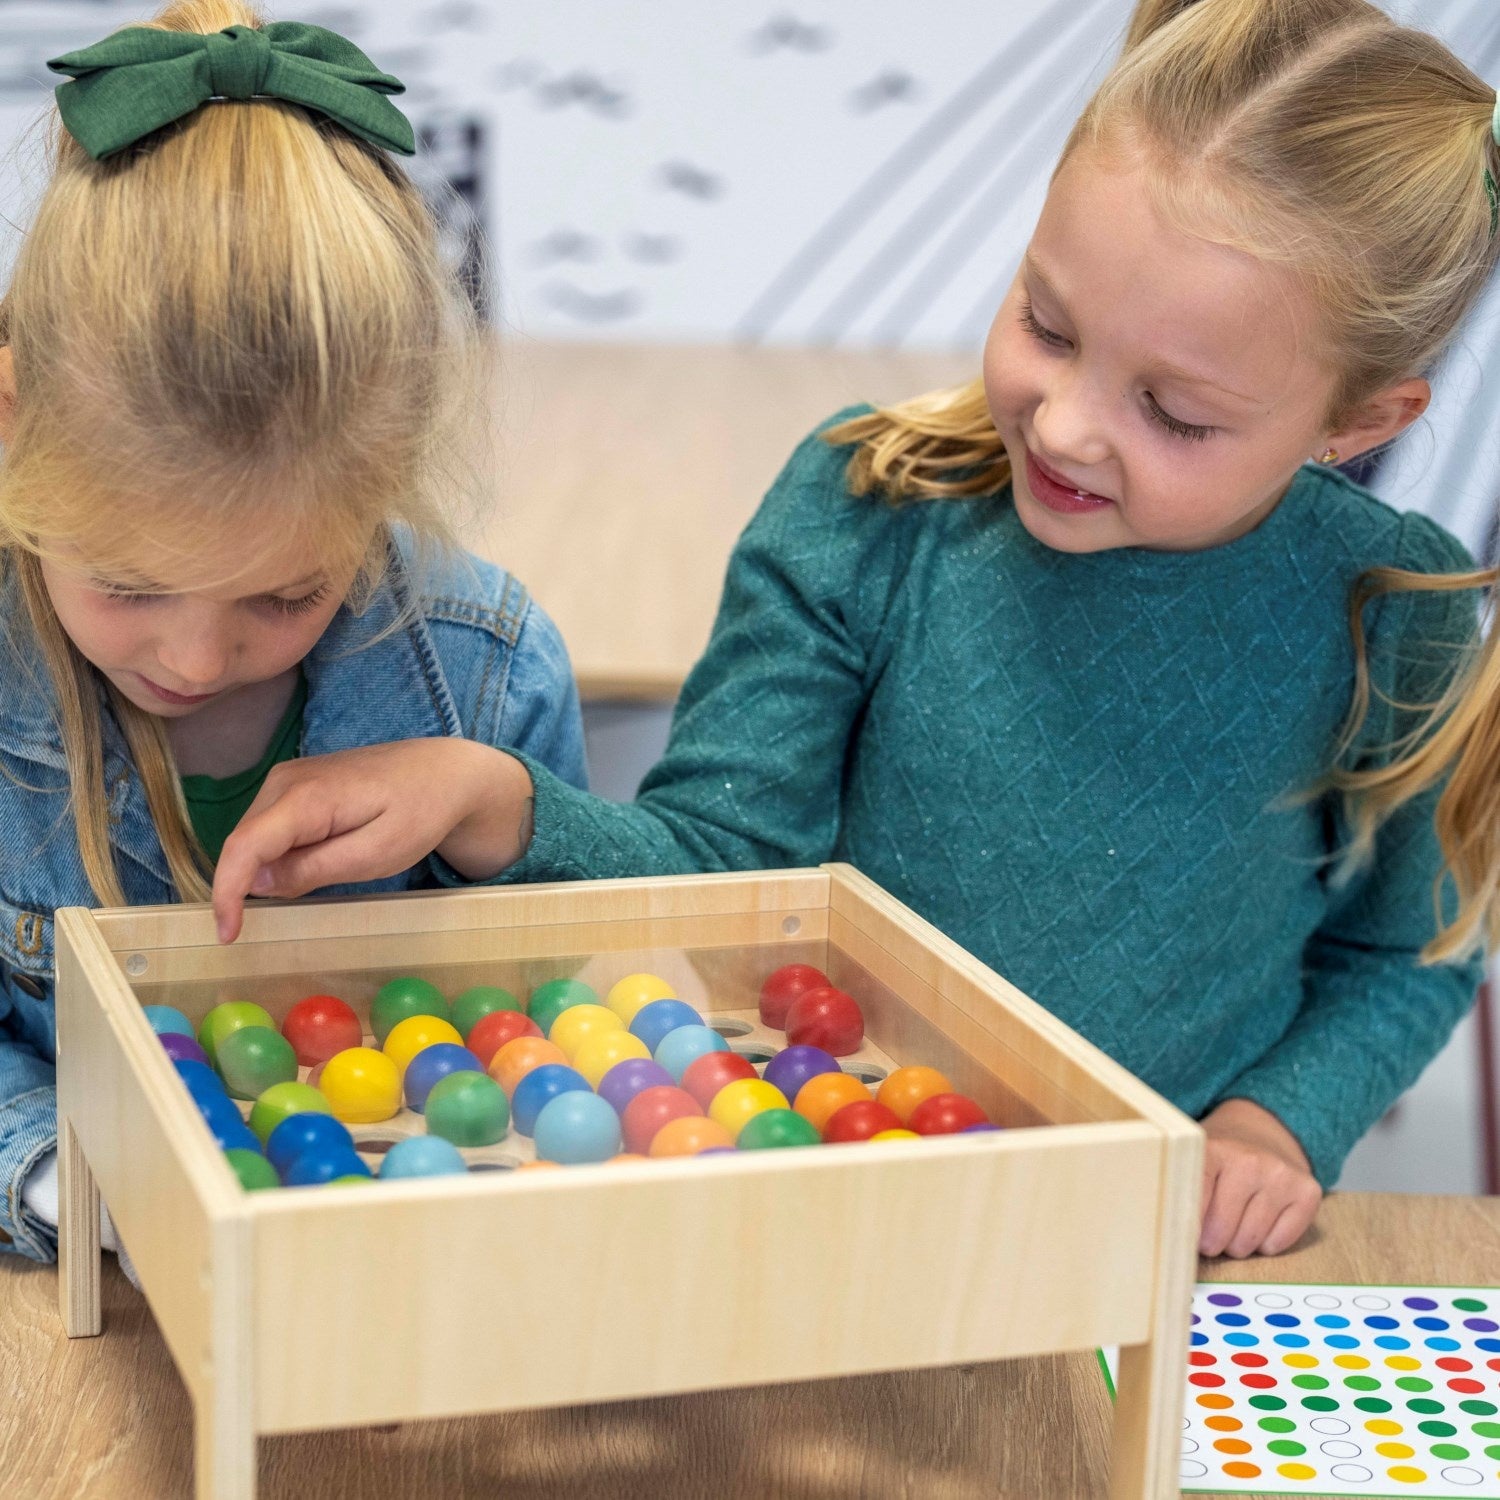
x=26 y=954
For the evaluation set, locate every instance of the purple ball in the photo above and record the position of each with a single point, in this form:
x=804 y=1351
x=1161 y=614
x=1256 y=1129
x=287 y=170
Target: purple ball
x=181 y=1048
x=978 y=1125
x=626 y=1079
x=793 y=1066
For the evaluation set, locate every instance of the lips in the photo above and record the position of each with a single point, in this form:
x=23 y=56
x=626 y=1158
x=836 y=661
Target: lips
x=1052 y=490
x=182 y=700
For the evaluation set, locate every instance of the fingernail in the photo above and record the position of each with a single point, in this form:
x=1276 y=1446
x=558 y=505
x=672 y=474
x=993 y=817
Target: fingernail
x=262 y=883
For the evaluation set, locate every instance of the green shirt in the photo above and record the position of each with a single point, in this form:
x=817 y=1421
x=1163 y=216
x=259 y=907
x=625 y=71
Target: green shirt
x=216 y=804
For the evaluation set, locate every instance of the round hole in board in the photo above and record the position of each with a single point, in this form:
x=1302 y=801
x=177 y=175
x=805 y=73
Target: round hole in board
x=791 y=926
x=492 y=1166
x=376 y=1147
x=728 y=1027
x=136 y=965
x=865 y=1072
x=756 y=1052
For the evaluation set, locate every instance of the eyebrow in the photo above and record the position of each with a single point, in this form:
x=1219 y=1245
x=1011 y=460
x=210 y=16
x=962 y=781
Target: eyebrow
x=1171 y=371
x=146 y=586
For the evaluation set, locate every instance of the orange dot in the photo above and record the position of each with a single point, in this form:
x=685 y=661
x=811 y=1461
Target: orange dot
x=517 y=1058
x=821 y=1097
x=906 y=1088
x=1241 y=1471
x=1232 y=1445
x=1214 y=1401
x=1223 y=1424
x=688 y=1136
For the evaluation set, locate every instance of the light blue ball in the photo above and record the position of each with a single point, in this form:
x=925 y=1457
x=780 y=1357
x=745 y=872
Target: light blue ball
x=652 y=1022
x=575 y=1128
x=165 y=1018
x=423 y=1156
x=686 y=1045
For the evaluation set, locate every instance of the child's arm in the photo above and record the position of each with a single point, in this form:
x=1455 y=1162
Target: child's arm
x=28 y=1131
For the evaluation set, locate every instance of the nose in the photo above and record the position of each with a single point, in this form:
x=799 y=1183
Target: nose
x=197 y=650
x=1068 y=421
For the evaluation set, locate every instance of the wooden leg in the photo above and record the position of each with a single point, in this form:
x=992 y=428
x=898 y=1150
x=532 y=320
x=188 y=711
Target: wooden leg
x=78 y=1254
x=224 y=1452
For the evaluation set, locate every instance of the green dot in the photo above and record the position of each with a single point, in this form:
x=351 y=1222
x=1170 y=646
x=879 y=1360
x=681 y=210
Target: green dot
x=1422 y=1404
x=1470 y=1304
x=1477 y=1408
x=1362 y=1382
x=1277 y=1424
x=1267 y=1403
x=1286 y=1448
x=1493 y=1451
x=1437 y=1429
x=1310 y=1382
x=1487 y=1429
x=1320 y=1403
x=1414 y=1383
x=1372 y=1403
x=1449 y=1451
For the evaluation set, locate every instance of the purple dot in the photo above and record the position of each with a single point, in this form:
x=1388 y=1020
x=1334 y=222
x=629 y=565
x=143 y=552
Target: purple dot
x=1420 y=1304
x=1481 y=1325
x=1224 y=1299
x=1196 y=1319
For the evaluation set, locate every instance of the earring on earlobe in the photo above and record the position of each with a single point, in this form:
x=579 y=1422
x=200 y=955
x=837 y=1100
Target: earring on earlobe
x=1330 y=456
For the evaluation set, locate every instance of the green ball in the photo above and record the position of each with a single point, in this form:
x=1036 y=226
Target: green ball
x=253 y=1058
x=474 y=1005
x=550 y=1000
x=777 y=1127
x=253 y=1170
x=283 y=1100
x=230 y=1016
x=352 y=1177
x=407 y=996
x=468 y=1109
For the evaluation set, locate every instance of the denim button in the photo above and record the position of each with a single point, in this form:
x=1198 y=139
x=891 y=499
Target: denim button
x=29 y=986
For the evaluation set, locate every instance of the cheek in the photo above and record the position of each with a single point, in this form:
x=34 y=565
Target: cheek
x=1010 y=384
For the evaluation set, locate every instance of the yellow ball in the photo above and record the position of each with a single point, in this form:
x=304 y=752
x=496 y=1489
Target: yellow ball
x=409 y=1037
x=361 y=1085
x=636 y=990
x=737 y=1103
x=580 y=1022
x=895 y=1135
x=598 y=1053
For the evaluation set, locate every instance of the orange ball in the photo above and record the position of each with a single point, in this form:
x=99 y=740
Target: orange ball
x=627 y=1156
x=517 y=1058
x=531 y=1166
x=823 y=1096
x=906 y=1088
x=689 y=1136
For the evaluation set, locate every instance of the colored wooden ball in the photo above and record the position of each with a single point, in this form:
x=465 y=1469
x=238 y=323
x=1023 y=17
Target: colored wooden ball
x=688 y=1136
x=490 y=1033
x=181 y=1048
x=706 y=1075
x=517 y=1058
x=399 y=998
x=305 y=1132
x=774 y=1128
x=895 y=1135
x=415 y=1034
x=431 y=1064
x=469 y=1109
x=826 y=1018
x=784 y=986
x=320 y=1026
x=597 y=1054
x=575 y=1127
x=423 y=1156
x=821 y=1097
x=361 y=1085
x=945 y=1114
x=198 y=1077
x=578 y=1023
x=167 y=1020
x=253 y=1058
x=736 y=1104
x=234 y=1137
x=793 y=1066
x=628 y=995
x=906 y=1088
x=984 y=1125
x=685 y=1045
x=628 y=1156
x=650 y=1110
x=228 y=1017
x=859 y=1121
x=539 y=1087
x=317 y=1167
x=627 y=1079
x=654 y=1020
x=253 y=1170
x=548 y=1001
x=479 y=1001
x=280 y=1102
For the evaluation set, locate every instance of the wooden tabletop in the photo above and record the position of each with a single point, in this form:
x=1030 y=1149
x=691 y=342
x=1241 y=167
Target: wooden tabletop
x=108 y=1417
x=625 y=473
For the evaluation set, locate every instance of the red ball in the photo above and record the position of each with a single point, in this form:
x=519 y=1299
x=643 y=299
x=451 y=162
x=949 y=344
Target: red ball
x=946 y=1114
x=319 y=1027
x=493 y=1031
x=784 y=986
x=859 y=1121
x=706 y=1075
x=826 y=1018
x=650 y=1110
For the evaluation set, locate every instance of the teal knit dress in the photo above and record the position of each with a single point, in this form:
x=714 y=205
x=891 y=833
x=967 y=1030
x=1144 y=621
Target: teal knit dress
x=1098 y=773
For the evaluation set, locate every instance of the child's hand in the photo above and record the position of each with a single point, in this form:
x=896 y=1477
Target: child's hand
x=1259 y=1194
x=366 y=814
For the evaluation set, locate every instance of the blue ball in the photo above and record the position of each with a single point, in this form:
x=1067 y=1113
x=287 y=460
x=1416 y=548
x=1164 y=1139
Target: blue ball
x=575 y=1128
x=305 y=1132
x=423 y=1156
x=652 y=1022
x=317 y=1166
x=432 y=1064
x=218 y=1110
x=201 y=1080
x=538 y=1088
x=238 y=1137
x=686 y=1045
x=165 y=1018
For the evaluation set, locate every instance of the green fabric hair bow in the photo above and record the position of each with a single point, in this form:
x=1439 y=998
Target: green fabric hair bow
x=141 y=78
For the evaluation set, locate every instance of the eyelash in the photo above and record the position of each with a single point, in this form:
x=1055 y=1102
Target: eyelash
x=302 y=606
x=1186 y=430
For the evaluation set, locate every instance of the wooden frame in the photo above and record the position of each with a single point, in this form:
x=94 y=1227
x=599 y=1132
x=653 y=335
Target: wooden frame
x=1075 y=1228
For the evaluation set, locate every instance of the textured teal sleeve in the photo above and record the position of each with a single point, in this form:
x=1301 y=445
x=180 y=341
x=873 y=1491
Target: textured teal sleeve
x=1372 y=1015
x=752 y=774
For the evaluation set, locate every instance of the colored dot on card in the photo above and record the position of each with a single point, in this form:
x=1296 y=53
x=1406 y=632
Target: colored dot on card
x=1241 y=1470
x=1465 y=1386
x=1448 y=1452
x=1300 y=1361
x=1331 y=1320
x=1231 y=1320
x=1392 y=1341
x=1442 y=1343
x=1381 y=1322
x=1405 y=1474
x=1424 y=1405
x=1351 y=1361
x=1283 y=1320
x=1223 y=1424
x=1403 y=1362
x=1291 y=1340
x=1372 y=1403
x=1202 y=1357
x=1239 y=1340
x=1478 y=1408
x=1395 y=1450
x=1414 y=1383
x=1254 y=1361
x=1438 y=1429
x=1214 y=1401
x=1276 y=1424
x=1297 y=1471
x=1224 y=1299
x=1310 y=1382
x=1487 y=1429
x=1261 y=1403
x=1198 y=1338
x=1454 y=1363
x=1232 y=1445
x=1205 y=1378
x=1432 y=1325
x=1258 y=1382
x=1481 y=1325
x=1419 y=1304
x=1320 y=1403
x=1382 y=1427
x=1492 y=1364
x=1287 y=1448
x=1493 y=1451
x=1490 y=1346
x=1361 y=1382
x=1470 y=1304
x=1341 y=1341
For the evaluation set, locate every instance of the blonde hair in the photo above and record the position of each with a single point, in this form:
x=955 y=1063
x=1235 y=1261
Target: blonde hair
x=1320 y=136
x=250 y=303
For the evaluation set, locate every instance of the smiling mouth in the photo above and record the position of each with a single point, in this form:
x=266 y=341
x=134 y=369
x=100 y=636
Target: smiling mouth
x=1056 y=493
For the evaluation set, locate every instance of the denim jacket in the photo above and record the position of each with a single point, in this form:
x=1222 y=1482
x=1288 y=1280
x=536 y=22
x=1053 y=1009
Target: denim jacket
x=475 y=657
